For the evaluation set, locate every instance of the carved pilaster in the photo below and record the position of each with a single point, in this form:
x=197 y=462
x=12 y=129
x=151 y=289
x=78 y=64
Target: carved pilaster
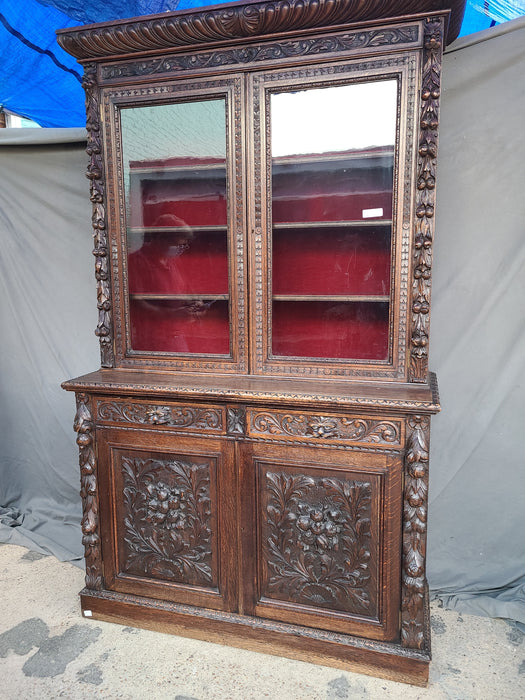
x=425 y=199
x=415 y=504
x=83 y=426
x=95 y=174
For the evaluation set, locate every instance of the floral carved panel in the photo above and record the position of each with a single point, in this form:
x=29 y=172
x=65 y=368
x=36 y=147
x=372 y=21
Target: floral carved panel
x=325 y=427
x=172 y=416
x=316 y=541
x=166 y=521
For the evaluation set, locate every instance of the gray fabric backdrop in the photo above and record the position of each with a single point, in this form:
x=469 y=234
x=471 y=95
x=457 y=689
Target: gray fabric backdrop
x=476 y=553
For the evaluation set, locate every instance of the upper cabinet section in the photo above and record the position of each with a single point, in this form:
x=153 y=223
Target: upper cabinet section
x=262 y=182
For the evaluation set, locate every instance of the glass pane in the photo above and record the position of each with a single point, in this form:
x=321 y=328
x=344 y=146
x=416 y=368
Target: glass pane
x=332 y=186
x=175 y=187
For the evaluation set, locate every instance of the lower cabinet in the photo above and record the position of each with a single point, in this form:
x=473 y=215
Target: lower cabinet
x=298 y=534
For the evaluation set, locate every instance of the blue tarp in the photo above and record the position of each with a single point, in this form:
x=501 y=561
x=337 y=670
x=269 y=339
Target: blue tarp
x=38 y=80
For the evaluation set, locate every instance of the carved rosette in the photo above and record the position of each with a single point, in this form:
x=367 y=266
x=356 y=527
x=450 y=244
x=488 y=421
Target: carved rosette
x=84 y=426
x=236 y=420
x=425 y=199
x=167 y=520
x=316 y=542
x=415 y=505
x=95 y=174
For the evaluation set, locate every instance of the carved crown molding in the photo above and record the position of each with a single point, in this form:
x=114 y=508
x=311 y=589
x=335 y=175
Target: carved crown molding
x=240 y=21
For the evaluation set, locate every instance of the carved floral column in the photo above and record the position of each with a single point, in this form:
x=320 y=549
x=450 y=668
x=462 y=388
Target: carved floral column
x=84 y=426
x=415 y=506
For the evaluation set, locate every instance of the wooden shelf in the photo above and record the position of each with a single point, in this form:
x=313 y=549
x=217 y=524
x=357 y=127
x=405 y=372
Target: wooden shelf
x=179 y=297
x=331 y=297
x=365 y=223
x=163 y=230
x=333 y=157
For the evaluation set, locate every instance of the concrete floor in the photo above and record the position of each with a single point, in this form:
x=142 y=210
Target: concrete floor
x=47 y=650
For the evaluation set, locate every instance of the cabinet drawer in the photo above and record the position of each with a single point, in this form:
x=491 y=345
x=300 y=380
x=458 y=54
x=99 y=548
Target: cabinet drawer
x=203 y=418
x=325 y=428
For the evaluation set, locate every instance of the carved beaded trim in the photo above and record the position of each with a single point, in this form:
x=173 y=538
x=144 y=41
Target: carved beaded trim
x=325 y=428
x=180 y=417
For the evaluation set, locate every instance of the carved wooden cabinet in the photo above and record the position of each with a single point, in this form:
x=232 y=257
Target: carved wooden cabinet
x=254 y=449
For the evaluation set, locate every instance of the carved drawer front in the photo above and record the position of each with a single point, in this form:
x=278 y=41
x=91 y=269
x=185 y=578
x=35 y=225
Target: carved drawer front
x=175 y=416
x=325 y=428
x=165 y=510
x=322 y=559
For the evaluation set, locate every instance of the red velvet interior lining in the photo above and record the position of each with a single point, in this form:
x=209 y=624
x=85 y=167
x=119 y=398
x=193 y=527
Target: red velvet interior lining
x=331 y=261
x=346 y=330
x=180 y=326
x=174 y=264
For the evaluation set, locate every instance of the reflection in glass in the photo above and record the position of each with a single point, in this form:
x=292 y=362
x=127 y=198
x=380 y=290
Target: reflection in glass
x=175 y=188
x=332 y=182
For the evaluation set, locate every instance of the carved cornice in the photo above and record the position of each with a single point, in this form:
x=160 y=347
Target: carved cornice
x=230 y=22
x=415 y=503
x=84 y=426
x=425 y=200
x=95 y=174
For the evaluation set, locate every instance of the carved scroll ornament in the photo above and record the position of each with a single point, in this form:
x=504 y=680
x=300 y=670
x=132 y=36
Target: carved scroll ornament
x=192 y=417
x=326 y=427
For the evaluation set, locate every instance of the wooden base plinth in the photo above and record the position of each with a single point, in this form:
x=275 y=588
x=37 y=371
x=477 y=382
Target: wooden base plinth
x=386 y=660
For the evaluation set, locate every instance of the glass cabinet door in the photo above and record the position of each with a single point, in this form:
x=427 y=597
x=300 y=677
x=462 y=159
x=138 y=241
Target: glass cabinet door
x=180 y=253
x=328 y=223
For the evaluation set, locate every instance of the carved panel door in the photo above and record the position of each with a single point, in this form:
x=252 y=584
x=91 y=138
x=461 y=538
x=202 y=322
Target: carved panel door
x=168 y=517
x=325 y=548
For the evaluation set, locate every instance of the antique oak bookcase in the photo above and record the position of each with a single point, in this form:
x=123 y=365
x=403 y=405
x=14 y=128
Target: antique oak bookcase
x=254 y=449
